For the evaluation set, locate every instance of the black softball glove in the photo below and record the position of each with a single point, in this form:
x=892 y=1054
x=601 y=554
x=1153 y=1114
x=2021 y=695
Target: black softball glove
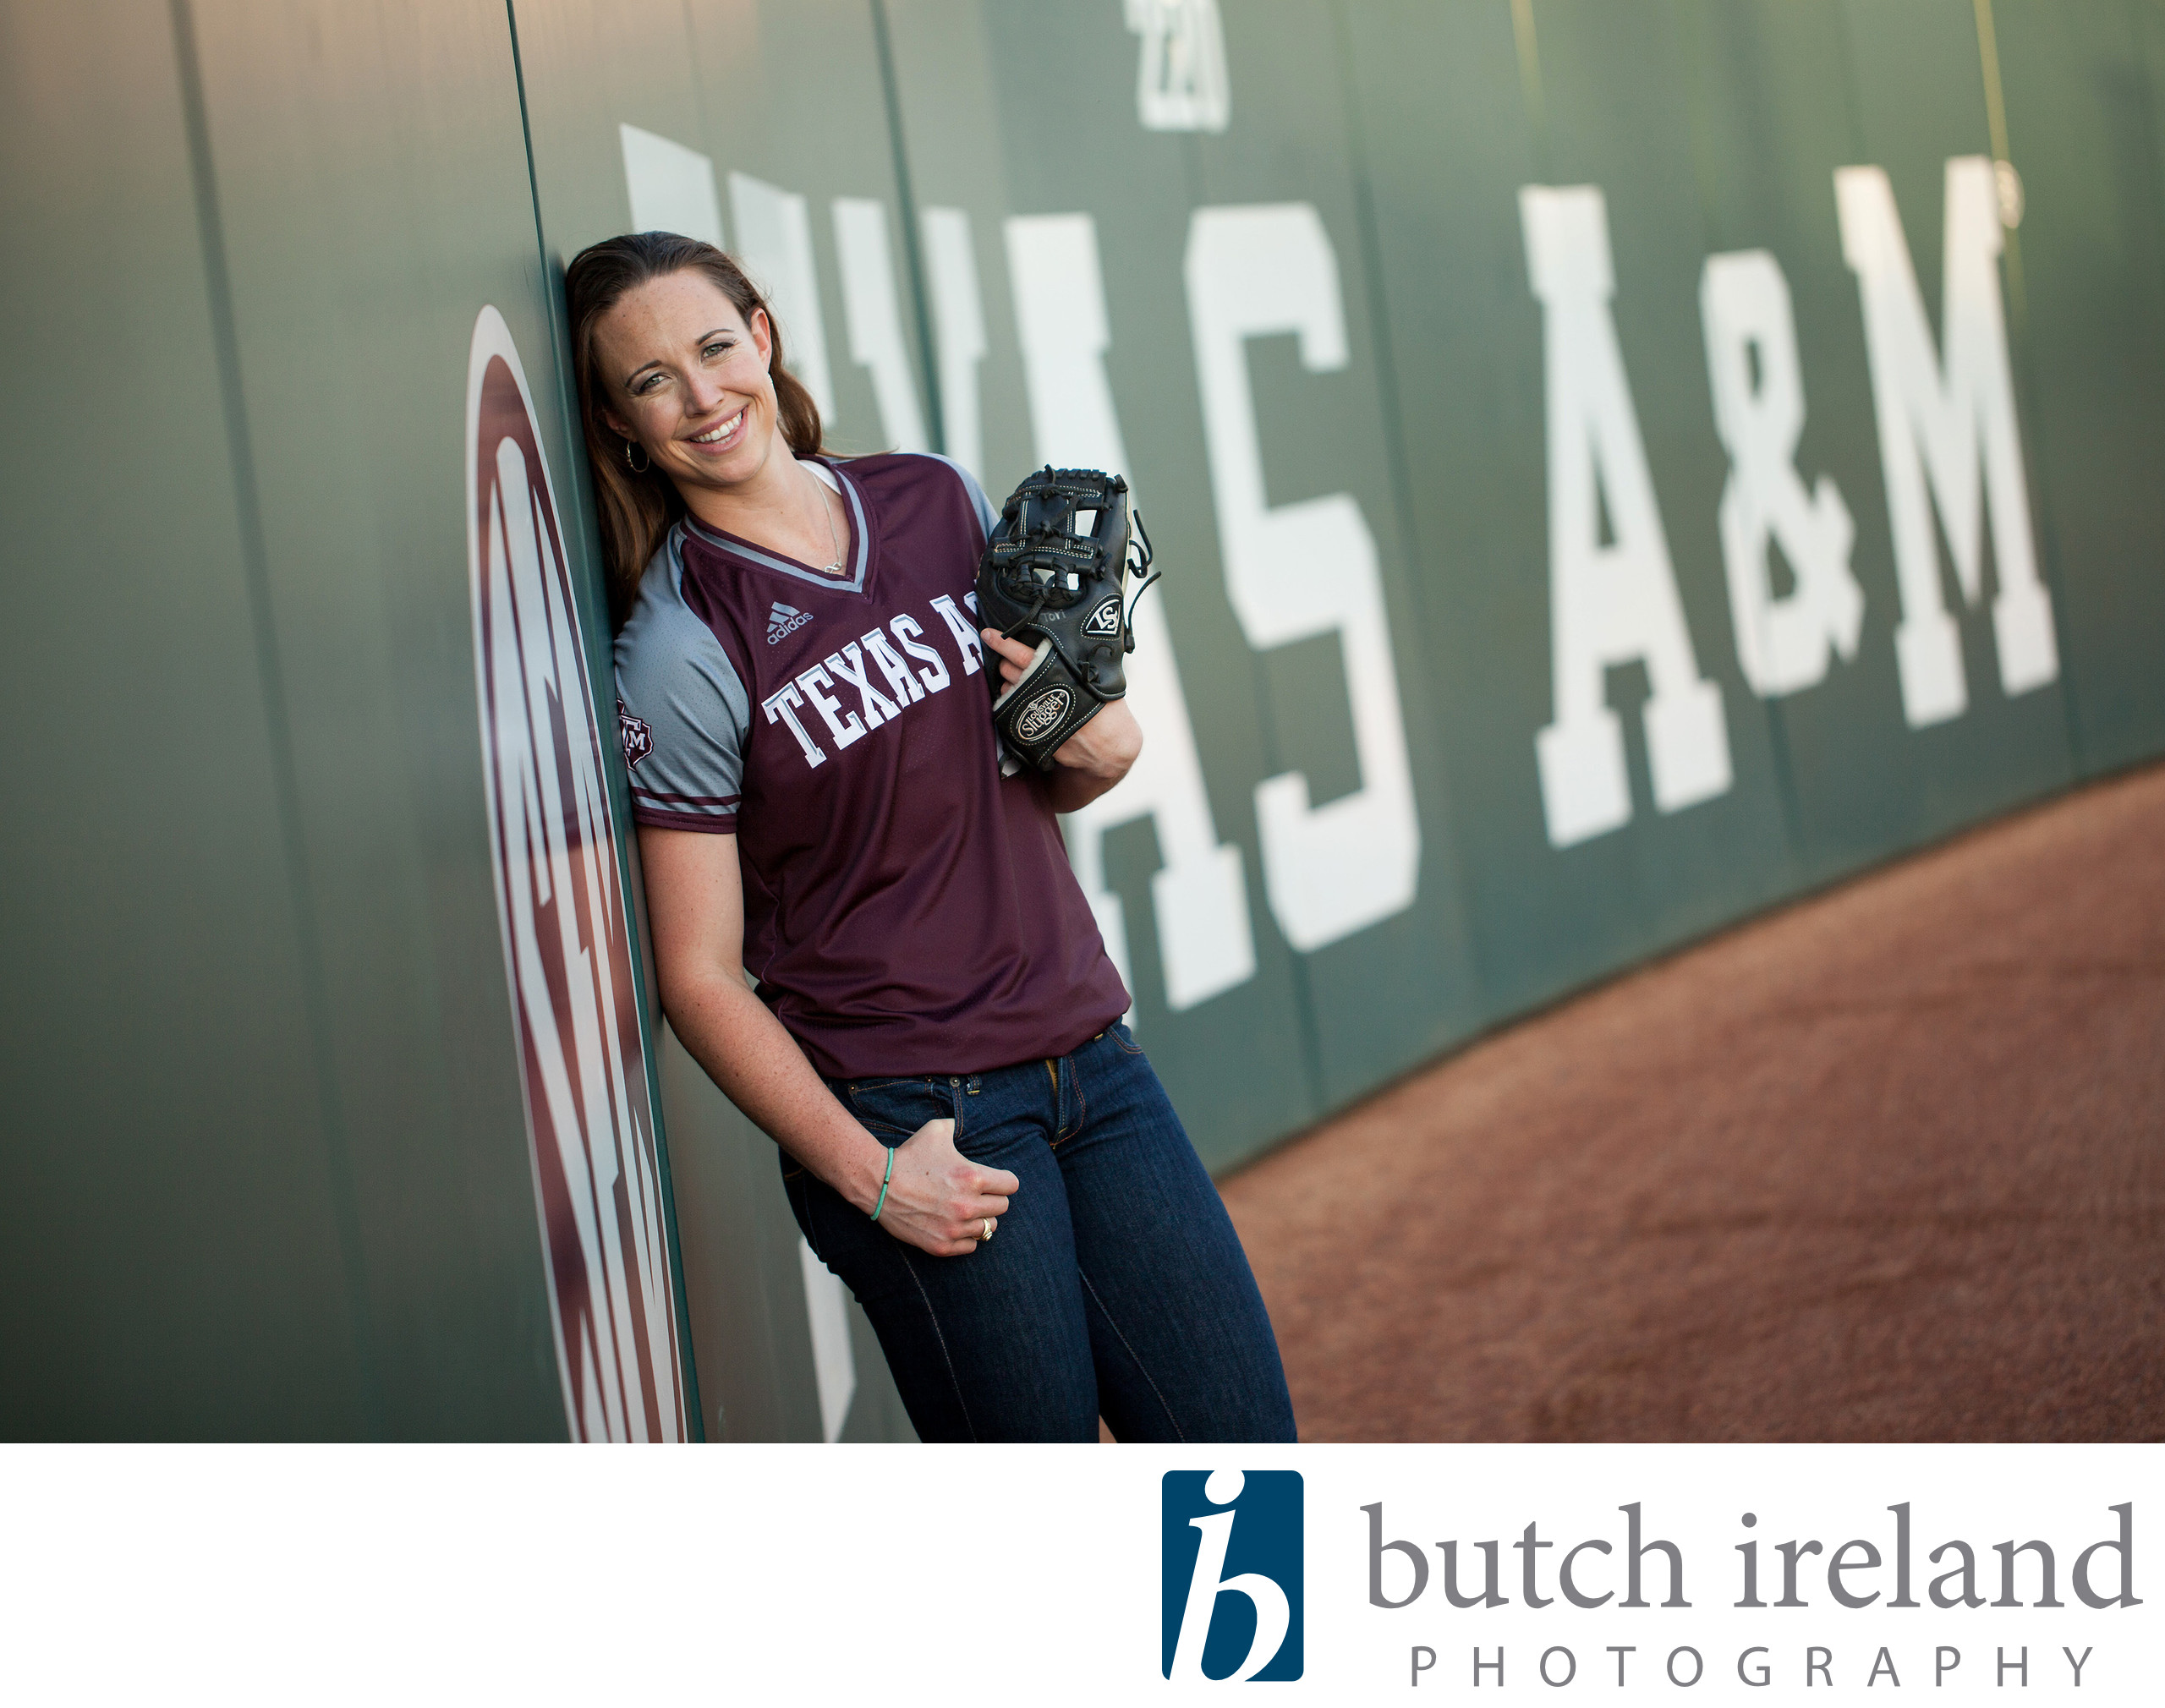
x=1055 y=574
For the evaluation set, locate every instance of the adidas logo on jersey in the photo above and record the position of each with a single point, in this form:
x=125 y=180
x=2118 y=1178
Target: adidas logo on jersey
x=785 y=620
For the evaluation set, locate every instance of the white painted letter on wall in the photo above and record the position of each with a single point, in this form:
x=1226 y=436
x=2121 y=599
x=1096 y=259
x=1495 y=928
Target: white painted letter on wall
x=1181 y=82
x=875 y=319
x=958 y=329
x=1608 y=604
x=1782 y=644
x=833 y=1364
x=774 y=240
x=1944 y=416
x=1198 y=895
x=670 y=187
x=1301 y=570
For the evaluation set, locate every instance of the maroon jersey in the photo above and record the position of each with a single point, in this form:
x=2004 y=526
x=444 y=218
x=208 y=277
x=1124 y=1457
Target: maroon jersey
x=908 y=909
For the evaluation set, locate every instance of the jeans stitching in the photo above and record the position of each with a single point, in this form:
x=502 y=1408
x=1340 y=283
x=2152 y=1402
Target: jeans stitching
x=853 y=1086
x=1061 y=1135
x=1083 y=1275
x=875 y=1124
x=947 y=1358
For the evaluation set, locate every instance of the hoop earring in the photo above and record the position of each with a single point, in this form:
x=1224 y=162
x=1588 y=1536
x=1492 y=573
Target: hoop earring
x=636 y=468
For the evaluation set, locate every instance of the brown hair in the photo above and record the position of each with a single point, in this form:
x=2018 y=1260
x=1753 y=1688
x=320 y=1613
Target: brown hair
x=638 y=508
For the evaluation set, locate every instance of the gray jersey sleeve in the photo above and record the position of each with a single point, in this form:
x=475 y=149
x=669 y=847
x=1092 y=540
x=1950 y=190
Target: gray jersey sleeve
x=683 y=710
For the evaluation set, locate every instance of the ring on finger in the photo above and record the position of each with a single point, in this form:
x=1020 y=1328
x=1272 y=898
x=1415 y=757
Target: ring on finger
x=987 y=1234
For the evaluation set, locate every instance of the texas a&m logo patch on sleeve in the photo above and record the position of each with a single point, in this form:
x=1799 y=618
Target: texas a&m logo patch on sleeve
x=638 y=739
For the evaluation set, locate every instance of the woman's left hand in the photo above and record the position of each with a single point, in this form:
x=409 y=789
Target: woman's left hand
x=1095 y=756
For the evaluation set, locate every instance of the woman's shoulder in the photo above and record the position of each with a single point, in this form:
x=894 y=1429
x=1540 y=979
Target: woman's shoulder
x=668 y=657
x=662 y=630
x=909 y=468
x=659 y=596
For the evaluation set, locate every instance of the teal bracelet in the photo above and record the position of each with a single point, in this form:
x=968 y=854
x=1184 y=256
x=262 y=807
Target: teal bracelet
x=883 y=1179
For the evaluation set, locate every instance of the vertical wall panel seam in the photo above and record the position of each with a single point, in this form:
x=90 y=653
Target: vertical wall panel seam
x=1383 y=352
x=1194 y=174
x=2138 y=45
x=552 y=311
x=905 y=199
x=1526 y=42
x=692 y=71
x=2029 y=406
x=1771 y=707
x=285 y=772
x=554 y=318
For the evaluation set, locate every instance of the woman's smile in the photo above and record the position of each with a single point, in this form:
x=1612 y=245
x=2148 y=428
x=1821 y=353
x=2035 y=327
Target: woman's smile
x=725 y=434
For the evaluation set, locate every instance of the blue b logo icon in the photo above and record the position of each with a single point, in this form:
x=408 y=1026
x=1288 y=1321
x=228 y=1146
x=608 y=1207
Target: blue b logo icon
x=1232 y=1584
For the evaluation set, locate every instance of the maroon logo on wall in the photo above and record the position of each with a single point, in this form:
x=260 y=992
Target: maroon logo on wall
x=560 y=897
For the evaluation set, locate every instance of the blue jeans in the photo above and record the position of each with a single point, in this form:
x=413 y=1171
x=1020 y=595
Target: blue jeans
x=1114 y=1286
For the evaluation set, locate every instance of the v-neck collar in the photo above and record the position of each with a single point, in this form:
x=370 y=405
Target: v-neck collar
x=860 y=541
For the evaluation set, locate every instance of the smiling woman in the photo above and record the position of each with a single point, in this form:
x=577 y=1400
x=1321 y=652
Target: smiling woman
x=707 y=339
x=823 y=804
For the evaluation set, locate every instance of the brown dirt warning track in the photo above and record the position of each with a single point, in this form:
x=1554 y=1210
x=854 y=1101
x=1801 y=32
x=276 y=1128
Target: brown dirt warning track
x=1887 y=1165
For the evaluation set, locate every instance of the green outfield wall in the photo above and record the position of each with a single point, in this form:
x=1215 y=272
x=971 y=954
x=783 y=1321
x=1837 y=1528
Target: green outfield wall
x=1617 y=464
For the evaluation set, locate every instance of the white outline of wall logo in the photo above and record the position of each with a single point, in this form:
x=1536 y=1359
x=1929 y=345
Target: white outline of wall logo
x=1181 y=82
x=1229 y=1537
x=559 y=901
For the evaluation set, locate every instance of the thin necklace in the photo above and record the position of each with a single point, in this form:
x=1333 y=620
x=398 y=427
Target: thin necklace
x=833 y=544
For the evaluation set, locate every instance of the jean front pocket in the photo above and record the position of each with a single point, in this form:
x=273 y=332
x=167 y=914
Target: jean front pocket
x=1119 y=1033
x=891 y=1110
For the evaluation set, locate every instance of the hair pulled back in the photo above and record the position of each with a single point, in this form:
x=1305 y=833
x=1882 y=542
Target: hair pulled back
x=637 y=509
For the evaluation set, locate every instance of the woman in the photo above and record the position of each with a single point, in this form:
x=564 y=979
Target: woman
x=934 y=1041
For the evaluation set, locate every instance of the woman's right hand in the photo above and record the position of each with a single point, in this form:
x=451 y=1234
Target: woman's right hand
x=938 y=1200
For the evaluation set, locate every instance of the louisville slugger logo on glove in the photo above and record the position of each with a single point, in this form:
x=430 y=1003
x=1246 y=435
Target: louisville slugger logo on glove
x=1055 y=576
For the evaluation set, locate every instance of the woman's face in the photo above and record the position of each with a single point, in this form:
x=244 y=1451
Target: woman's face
x=688 y=380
